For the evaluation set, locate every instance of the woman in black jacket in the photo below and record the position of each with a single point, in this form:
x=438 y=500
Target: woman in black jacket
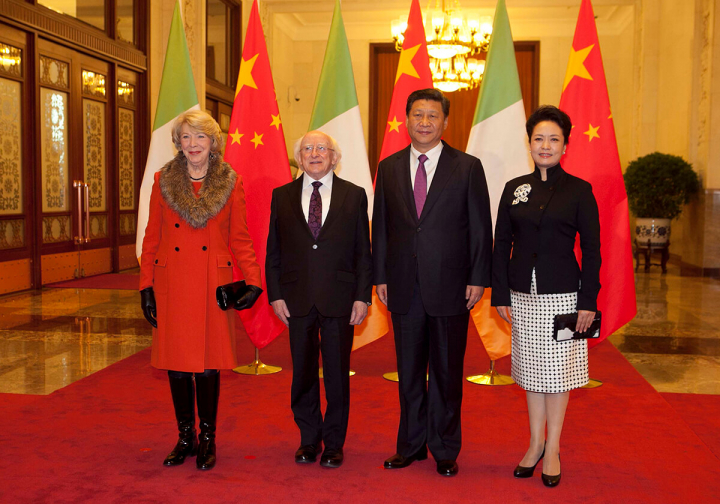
x=536 y=276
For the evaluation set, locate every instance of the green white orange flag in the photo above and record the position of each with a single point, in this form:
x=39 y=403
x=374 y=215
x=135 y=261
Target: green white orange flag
x=592 y=155
x=498 y=138
x=177 y=95
x=413 y=73
x=337 y=113
x=256 y=150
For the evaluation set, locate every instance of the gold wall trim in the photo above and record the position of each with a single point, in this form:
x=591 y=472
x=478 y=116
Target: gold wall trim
x=15 y=276
x=43 y=19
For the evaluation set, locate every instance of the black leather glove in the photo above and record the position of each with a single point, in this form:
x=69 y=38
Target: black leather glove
x=248 y=299
x=147 y=302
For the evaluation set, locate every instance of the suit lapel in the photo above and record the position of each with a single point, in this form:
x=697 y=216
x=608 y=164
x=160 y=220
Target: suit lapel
x=402 y=172
x=445 y=168
x=295 y=190
x=339 y=191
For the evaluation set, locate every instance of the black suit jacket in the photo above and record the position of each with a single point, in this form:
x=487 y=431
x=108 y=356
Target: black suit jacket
x=540 y=234
x=448 y=248
x=331 y=272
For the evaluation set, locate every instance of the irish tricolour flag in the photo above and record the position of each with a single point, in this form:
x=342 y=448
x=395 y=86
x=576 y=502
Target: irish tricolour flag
x=177 y=95
x=337 y=113
x=498 y=138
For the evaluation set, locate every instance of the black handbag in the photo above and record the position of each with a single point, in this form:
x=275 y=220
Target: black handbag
x=228 y=294
x=564 y=327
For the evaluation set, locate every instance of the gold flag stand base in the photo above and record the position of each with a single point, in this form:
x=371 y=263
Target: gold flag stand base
x=492 y=377
x=391 y=376
x=352 y=373
x=257 y=367
x=592 y=384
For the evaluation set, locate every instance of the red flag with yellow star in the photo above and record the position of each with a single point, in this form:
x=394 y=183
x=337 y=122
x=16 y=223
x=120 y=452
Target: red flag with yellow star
x=256 y=150
x=592 y=155
x=413 y=73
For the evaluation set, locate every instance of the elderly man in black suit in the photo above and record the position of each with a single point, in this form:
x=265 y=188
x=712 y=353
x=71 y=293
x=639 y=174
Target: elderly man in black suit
x=319 y=280
x=432 y=248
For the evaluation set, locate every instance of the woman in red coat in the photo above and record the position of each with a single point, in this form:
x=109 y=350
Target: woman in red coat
x=197 y=213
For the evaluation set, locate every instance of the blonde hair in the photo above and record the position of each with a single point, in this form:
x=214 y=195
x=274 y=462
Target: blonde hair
x=333 y=145
x=202 y=122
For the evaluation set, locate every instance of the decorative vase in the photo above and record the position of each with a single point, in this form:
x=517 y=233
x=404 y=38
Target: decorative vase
x=656 y=230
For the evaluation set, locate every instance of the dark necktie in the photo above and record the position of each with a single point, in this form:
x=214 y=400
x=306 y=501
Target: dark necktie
x=315 y=211
x=420 y=189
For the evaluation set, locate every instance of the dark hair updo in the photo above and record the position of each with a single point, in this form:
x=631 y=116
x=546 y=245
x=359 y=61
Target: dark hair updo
x=549 y=113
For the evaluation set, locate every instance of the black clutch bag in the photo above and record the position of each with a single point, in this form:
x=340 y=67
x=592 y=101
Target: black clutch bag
x=564 y=329
x=228 y=294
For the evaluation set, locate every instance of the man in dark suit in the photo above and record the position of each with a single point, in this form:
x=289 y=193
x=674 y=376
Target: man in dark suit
x=319 y=279
x=432 y=247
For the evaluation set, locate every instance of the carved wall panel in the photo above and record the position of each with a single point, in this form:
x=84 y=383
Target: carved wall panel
x=12 y=233
x=10 y=148
x=54 y=72
x=98 y=226
x=126 y=132
x=127 y=224
x=56 y=229
x=94 y=152
x=54 y=152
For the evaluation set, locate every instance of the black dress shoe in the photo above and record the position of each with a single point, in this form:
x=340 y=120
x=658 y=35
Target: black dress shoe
x=332 y=458
x=447 y=467
x=398 y=461
x=551 y=481
x=307 y=454
x=527 y=472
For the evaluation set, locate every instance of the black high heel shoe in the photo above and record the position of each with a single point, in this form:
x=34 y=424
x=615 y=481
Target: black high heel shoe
x=551 y=481
x=527 y=472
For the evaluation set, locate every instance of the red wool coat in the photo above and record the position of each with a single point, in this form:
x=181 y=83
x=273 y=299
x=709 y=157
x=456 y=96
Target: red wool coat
x=185 y=257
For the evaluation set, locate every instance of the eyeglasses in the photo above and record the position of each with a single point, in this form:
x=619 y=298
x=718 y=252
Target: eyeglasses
x=321 y=149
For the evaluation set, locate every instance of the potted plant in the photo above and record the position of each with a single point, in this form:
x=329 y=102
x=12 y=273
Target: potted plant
x=658 y=185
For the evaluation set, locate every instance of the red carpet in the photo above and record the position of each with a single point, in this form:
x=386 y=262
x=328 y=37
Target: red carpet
x=103 y=439
x=702 y=413
x=123 y=281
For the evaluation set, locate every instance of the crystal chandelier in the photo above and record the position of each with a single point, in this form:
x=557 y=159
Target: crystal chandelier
x=452 y=41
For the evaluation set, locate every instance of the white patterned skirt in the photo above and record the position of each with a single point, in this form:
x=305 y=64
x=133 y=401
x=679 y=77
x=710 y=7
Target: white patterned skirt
x=539 y=363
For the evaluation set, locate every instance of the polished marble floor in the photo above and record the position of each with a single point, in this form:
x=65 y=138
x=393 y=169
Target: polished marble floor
x=53 y=337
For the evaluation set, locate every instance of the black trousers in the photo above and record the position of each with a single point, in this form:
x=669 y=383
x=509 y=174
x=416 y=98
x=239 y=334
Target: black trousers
x=335 y=342
x=430 y=414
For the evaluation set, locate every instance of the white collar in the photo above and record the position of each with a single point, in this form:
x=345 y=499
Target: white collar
x=433 y=153
x=326 y=181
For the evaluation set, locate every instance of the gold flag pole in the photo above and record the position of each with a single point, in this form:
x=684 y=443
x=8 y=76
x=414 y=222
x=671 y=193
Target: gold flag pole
x=492 y=377
x=257 y=367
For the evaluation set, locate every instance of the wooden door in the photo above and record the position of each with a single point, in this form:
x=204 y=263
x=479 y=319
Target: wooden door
x=73 y=127
x=16 y=179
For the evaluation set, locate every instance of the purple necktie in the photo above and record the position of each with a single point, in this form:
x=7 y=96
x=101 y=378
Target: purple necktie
x=420 y=189
x=315 y=211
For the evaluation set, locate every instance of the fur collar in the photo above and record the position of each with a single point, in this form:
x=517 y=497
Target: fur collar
x=177 y=189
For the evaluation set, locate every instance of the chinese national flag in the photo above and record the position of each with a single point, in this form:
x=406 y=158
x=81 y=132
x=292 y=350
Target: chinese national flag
x=413 y=73
x=593 y=156
x=256 y=150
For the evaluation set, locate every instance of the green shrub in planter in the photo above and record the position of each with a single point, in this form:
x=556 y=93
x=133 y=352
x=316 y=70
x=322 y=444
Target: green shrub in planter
x=658 y=185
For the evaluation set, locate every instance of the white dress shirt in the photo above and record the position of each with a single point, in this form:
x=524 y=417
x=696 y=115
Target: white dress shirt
x=430 y=163
x=325 y=191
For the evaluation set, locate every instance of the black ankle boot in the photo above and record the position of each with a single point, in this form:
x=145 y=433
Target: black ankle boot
x=183 y=397
x=208 y=392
